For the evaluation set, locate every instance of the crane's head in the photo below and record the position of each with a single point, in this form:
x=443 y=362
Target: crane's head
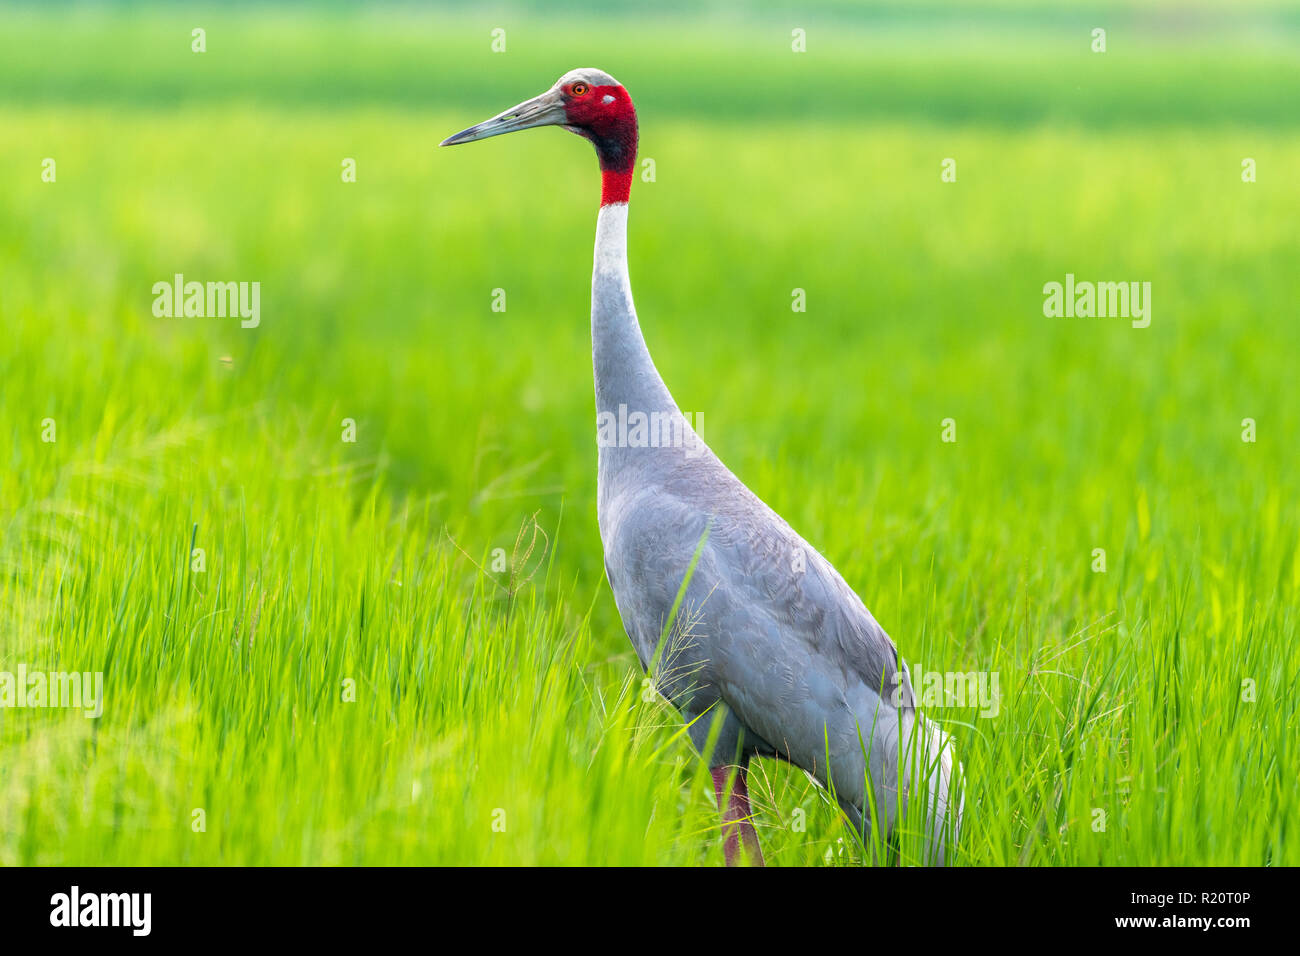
x=588 y=102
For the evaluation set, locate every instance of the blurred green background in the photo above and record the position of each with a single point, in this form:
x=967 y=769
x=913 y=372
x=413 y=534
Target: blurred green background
x=372 y=562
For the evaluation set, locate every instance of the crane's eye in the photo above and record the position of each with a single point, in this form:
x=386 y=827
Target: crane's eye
x=578 y=89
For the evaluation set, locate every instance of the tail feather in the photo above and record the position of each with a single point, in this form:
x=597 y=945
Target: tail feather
x=933 y=768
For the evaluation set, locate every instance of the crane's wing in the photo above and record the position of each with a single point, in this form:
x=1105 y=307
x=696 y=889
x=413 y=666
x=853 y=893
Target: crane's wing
x=766 y=622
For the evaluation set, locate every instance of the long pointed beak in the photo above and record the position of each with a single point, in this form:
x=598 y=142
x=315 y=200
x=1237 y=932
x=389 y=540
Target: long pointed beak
x=544 y=110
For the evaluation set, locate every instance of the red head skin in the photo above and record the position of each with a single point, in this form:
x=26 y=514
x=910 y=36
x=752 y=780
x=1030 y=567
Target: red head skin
x=611 y=127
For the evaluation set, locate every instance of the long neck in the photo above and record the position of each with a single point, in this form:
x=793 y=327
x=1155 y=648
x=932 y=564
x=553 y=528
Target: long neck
x=625 y=373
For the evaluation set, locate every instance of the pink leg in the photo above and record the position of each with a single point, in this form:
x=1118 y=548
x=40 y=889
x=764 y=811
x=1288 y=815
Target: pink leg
x=737 y=817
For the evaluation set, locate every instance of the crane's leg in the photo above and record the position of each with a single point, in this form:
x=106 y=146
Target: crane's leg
x=737 y=816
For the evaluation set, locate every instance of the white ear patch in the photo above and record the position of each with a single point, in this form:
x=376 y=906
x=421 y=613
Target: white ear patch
x=607 y=98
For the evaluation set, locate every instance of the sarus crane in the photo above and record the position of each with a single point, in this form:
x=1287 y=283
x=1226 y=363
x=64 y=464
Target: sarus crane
x=767 y=651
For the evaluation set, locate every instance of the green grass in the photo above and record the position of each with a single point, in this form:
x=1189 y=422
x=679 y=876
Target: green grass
x=371 y=562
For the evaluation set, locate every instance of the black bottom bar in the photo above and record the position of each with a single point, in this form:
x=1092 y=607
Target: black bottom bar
x=333 y=906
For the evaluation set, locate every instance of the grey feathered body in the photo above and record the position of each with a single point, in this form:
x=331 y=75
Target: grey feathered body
x=769 y=637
